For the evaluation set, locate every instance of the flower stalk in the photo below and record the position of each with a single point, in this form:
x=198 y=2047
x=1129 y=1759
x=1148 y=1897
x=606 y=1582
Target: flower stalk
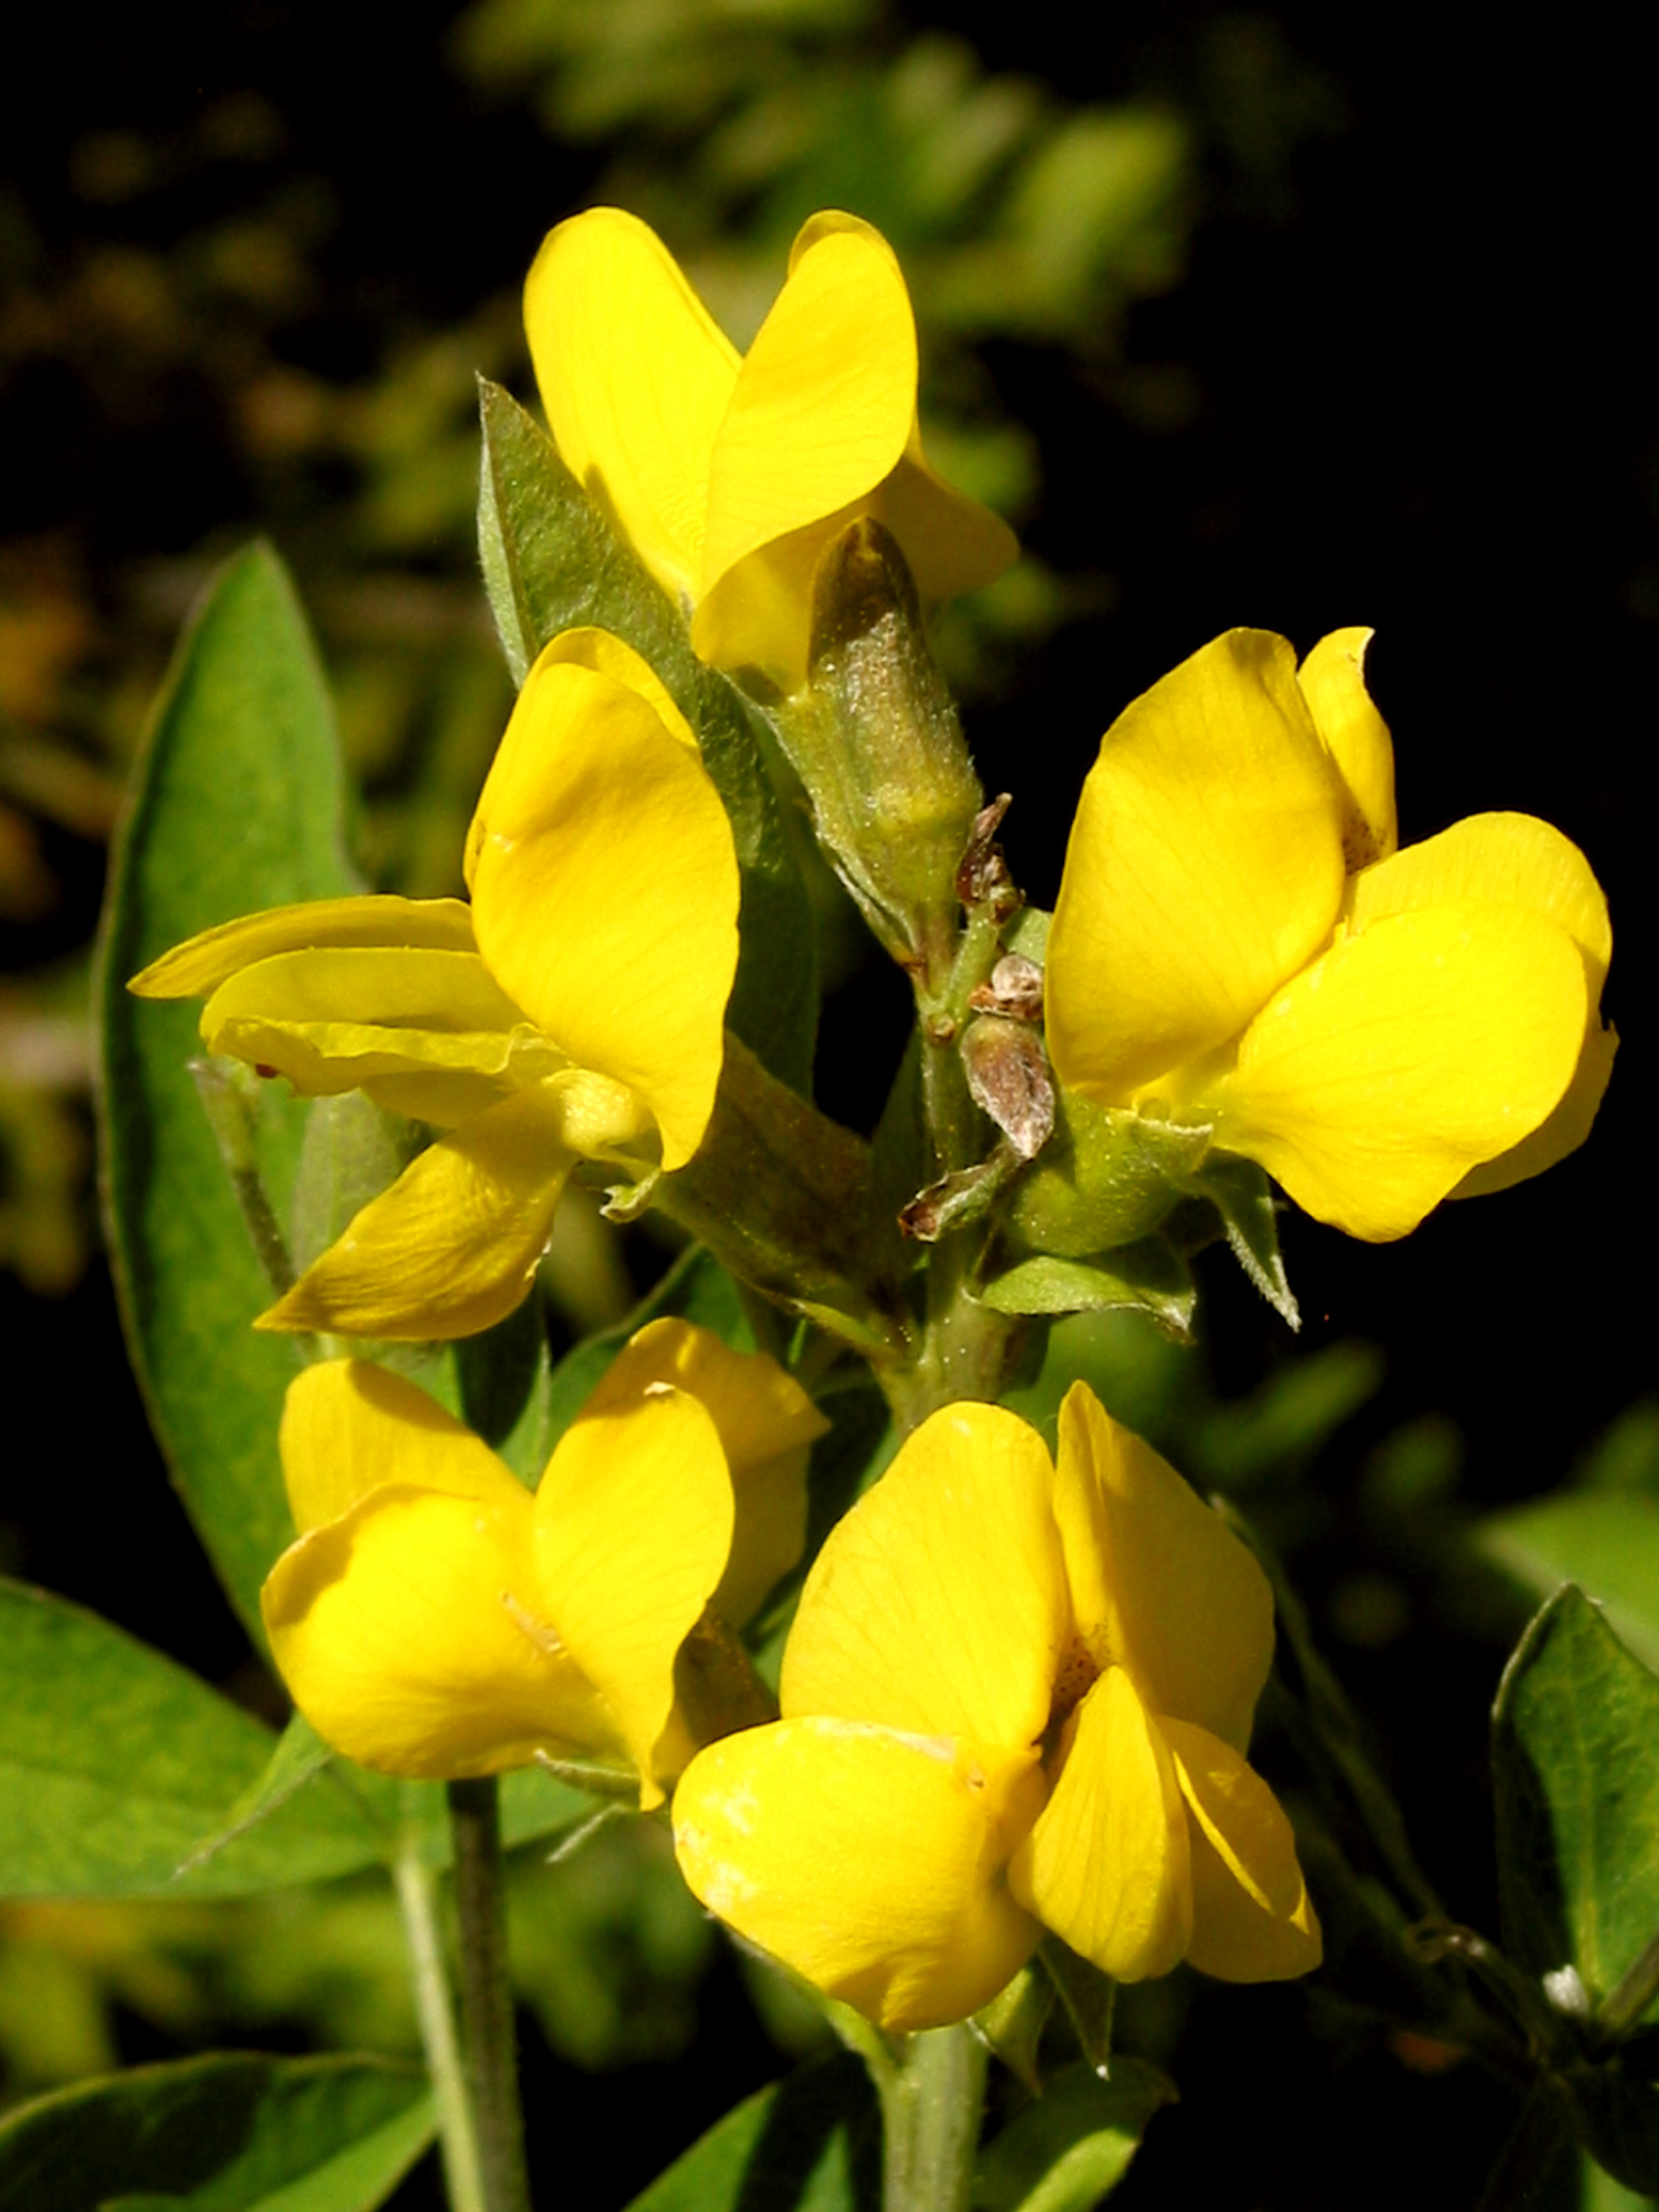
x=932 y=2099
x=457 y=2137
x=486 y=1996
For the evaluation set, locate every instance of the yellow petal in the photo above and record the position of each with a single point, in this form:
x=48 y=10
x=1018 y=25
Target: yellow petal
x=606 y=892
x=1356 y=737
x=429 y=1034
x=1404 y=1058
x=402 y=1631
x=451 y=1247
x=1106 y=1864
x=512 y=789
x=1160 y=1583
x=938 y=1605
x=822 y=410
x=821 y=429
x=350 y=1427
x=1494 y=860
x=868 y=1861
x=203 y=963
x=766 y=1425
x=632 y=1527
x=1205 y=868
x=635 y=376
x=1562 y=1132
x=951 y=542
x=1252 y=1917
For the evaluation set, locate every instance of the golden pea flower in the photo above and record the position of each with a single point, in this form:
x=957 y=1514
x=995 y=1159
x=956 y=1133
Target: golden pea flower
x=1015 y=1697
x=436 y=1618
x=730 y=473
x=574 y=1010
x=1239 y=943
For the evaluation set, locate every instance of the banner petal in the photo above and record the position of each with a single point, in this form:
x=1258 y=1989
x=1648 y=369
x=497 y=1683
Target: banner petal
x=1205 y=868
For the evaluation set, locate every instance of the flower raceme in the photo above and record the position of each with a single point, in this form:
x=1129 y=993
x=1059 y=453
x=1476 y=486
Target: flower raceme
x=732 y=473
x=436 y=1618
x=1239 y=942
x=575 y=1010
x=1017 y=1696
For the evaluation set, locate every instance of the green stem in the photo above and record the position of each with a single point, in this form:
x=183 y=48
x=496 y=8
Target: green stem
x=417 y=1901
x=931 y=2104
x=1619 y=2011
x=486 y=1995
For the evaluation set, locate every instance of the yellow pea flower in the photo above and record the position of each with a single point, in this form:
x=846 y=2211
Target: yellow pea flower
x=574 y=1010
x=731 y=473
x=1015 y=1697
x=1239 y=943
x=436 y=1618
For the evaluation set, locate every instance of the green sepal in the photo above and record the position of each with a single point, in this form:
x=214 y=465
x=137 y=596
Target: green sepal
x=1072 y=2145
x=1012 y=2024
x=1575 y=1777
x=1242 y=1196
x=229 y=2129
x=875 y=736
x=810 y=2144
x=1148 y=1275
x=553 y=561
x=1106 y=1177
x=1090 y=1997
x=237 y=803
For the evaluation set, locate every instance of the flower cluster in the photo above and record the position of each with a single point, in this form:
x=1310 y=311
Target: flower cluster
x=1019 y=1691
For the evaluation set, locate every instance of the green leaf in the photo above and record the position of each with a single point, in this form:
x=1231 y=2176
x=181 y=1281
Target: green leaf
x=1606 y=1542
x=1073 y=2143
x=224 y=2133
x=1575 y=1771
x=114 y=1765
x=237 y=805
x=1616 y=2114
x=1148 y=1276
x=811 y=2144
x=552 y=562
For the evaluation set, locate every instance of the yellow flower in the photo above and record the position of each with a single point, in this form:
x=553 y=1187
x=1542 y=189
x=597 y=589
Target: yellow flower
x=1237 y=943
x=731 y=473
x=1012 y=1699
x=436 y=1618
x=573 y=1010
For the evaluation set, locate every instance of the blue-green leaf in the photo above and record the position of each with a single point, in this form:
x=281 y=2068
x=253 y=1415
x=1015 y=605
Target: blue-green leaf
x=237 y=805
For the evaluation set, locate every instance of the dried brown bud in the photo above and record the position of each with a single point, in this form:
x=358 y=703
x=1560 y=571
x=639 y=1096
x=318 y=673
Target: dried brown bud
x=1007 y=1074
x=1015 y=989
x=982 y=878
